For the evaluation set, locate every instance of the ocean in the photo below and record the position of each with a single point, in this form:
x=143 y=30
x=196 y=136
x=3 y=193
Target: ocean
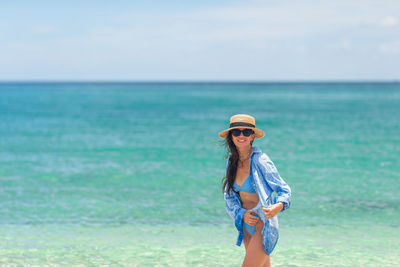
x=130 y=174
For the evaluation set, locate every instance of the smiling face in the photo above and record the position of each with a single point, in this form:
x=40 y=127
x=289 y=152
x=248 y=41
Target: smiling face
x=242 y=141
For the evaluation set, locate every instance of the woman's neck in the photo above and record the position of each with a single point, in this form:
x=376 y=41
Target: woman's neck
x=244 y=152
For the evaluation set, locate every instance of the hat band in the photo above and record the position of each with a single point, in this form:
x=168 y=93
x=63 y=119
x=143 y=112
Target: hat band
x=236 y=124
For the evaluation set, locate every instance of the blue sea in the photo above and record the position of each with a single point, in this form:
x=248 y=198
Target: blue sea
x=130 y=174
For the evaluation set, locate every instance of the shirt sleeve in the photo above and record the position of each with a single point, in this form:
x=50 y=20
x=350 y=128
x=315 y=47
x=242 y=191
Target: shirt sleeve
x=233 y=207
x=274 y=180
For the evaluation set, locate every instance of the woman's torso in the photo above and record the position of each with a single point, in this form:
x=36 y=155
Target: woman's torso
x=249 y=200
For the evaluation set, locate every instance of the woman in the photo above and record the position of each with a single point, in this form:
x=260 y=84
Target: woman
x=250 y=180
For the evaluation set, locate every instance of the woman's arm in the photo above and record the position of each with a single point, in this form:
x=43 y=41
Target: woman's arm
x=274 y=180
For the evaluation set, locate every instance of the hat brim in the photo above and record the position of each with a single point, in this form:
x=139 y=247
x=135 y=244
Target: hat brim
x=258 y=133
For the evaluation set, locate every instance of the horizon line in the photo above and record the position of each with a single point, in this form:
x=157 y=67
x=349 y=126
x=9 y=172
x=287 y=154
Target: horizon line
x=206 y=81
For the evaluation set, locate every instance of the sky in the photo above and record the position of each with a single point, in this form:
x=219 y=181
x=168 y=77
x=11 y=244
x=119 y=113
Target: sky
x=199 y=40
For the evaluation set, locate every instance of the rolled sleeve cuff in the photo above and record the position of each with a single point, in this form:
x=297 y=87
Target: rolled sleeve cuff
x=286 y=204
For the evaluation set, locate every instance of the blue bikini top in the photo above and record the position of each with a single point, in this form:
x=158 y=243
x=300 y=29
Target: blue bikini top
x=246 y=186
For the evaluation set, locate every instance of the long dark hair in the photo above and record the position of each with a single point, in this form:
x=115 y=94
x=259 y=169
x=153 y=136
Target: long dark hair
x=232 y=154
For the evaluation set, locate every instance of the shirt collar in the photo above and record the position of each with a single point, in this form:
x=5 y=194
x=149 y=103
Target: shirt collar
x=255 y=150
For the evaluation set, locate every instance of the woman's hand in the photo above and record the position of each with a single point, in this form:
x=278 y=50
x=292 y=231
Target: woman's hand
x=272 y=210
x=250 y=218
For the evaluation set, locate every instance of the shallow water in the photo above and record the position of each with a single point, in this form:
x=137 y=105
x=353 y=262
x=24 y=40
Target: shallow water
x=103 y=173
x=190 y=245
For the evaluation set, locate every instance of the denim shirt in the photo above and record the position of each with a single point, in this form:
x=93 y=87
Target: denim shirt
x=265 y=179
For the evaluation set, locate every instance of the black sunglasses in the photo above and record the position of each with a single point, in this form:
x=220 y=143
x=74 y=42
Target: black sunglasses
x=246 y=132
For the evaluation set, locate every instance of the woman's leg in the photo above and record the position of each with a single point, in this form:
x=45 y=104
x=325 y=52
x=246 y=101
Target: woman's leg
x=267 y=262
x=246 y=238
x=255 y=253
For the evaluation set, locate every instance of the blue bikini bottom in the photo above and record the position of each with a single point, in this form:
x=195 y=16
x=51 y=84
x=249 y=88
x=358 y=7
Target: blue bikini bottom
x=250 y=228
x=258 y=211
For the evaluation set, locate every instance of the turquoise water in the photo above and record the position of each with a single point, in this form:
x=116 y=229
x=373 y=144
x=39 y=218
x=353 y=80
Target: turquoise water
x=130 y=173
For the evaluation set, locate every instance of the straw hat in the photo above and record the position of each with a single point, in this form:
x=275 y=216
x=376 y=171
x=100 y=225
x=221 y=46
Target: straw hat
x=242 y=121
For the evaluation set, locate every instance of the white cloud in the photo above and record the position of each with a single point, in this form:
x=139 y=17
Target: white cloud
x=389 y=21
x=43 y=29
x=341 y=45
x=390 y=47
